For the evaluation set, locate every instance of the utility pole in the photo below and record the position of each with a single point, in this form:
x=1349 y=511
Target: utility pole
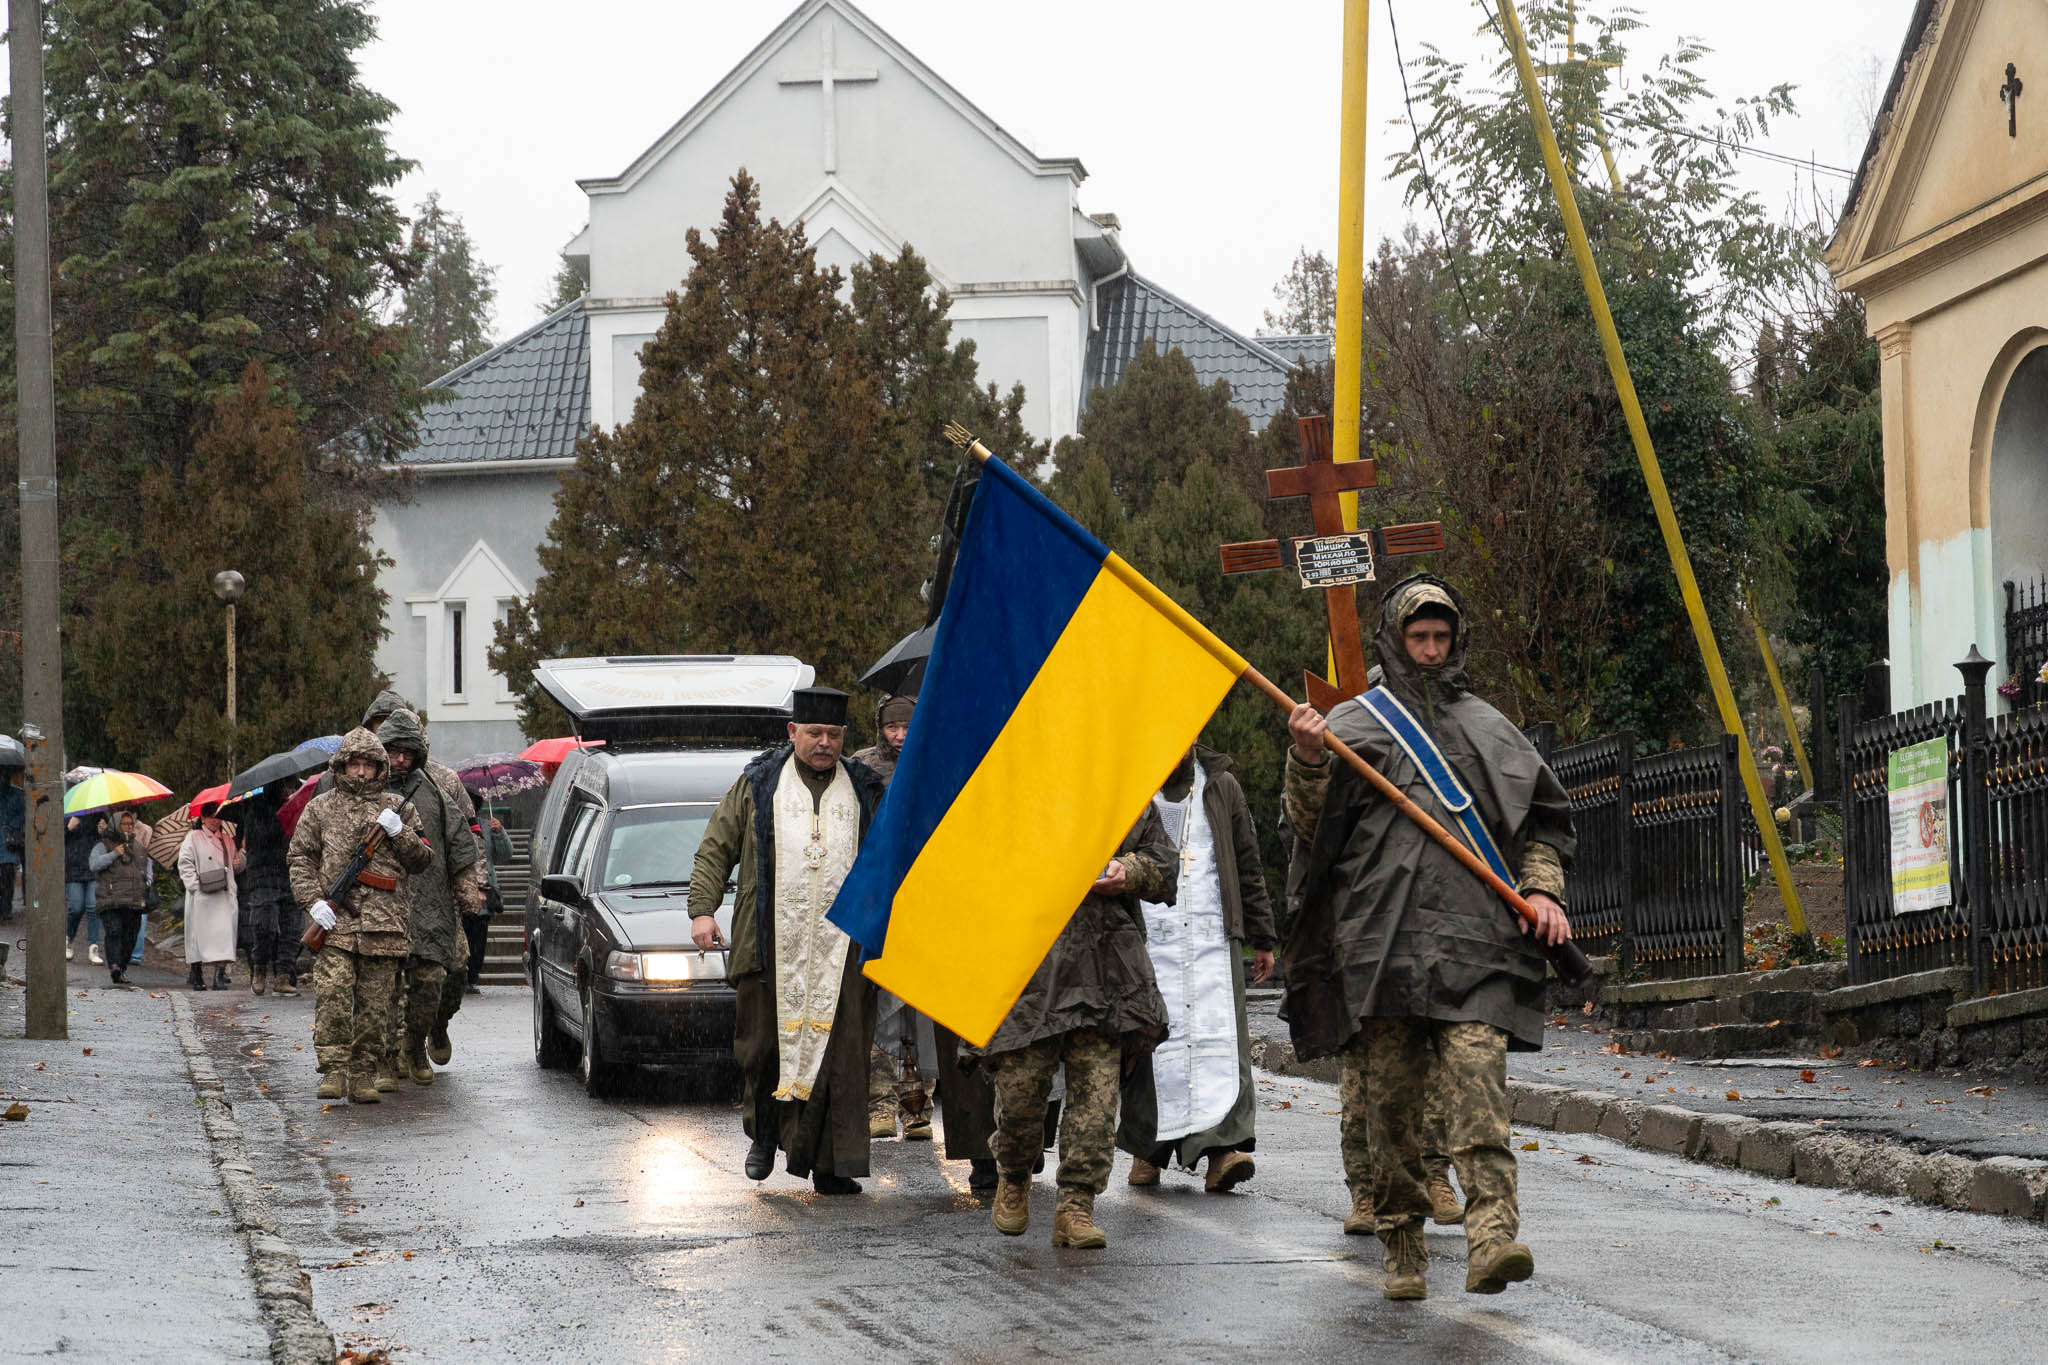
x=42 y=674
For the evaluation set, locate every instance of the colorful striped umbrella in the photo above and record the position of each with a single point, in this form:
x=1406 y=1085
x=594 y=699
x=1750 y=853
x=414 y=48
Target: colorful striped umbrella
x=111 y=788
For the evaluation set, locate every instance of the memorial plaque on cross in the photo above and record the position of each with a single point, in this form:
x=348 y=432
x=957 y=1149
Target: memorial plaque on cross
x=1334 y=559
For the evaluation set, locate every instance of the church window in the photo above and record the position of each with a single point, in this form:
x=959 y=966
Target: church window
x=456 y=613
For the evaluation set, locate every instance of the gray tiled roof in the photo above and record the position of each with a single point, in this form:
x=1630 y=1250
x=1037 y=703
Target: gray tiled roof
x=1135 y=310
x=528 y=399
x=1294 y=347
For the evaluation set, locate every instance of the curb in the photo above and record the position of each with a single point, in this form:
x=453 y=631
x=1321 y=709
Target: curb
x=1800 y=1152
x=297 y=1336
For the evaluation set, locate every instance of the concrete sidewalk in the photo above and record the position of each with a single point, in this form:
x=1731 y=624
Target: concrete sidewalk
x=121 y=1241
x=1962 y=1139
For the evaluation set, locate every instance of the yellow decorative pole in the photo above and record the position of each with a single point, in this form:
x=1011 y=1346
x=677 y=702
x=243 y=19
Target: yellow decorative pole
x=1646 y=456
x=1763 y=645
x=1350 y=341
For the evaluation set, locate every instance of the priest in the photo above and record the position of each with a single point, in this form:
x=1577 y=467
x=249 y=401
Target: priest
x=791 y=826
x=1192 y=1100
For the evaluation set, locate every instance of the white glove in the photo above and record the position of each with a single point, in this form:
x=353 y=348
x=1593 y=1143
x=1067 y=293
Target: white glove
x=323 y=914
x=388 y=821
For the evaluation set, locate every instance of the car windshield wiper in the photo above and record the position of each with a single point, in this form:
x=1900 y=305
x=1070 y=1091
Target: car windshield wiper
x=636 y=886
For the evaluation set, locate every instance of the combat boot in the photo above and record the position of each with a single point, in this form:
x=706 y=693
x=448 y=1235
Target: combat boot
x=1406 y=1263
x=1227 y=1170
x=416 y=1063
x=386 y=1078
x=1358 y=1223
x=1493 y=1266
x=362 y=1089
x=1143 y=1173
x=1073 y=1222
x=439 y=1047
x=285 y=984
x=1012 y=1211
x=882 y=1117
x=259 y=980
x=1445 y=1207
x=332 y=1086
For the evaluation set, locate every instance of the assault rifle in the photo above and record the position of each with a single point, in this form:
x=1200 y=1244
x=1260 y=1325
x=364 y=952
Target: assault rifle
x=355 y=871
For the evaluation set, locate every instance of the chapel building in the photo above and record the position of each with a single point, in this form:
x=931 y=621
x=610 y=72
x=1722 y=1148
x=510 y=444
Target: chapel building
x=848 y=133
x=1945 y=239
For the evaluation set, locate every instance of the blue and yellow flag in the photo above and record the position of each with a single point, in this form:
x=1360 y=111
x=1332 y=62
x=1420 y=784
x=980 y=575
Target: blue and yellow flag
x=1061 y=690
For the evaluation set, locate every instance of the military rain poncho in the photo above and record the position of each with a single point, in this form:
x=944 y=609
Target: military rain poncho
x=1391 y=925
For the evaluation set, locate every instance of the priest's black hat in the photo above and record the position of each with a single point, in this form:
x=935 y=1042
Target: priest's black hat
x=818 y=706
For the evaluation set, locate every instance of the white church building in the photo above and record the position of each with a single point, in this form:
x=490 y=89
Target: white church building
x=847 y=132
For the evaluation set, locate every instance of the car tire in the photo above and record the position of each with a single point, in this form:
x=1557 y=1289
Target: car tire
x=552 y=1049
x=600 y=1078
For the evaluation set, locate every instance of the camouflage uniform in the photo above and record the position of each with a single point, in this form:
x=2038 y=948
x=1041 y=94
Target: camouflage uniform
x=355 y=976
x=439 y=954
x=1023 y=1081
x=896 y=1092
x=1356 y=1141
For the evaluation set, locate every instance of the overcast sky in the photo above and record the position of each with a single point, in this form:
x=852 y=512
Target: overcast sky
x=1212 y=134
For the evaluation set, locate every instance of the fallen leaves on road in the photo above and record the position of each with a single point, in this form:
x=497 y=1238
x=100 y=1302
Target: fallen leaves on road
x=1587 y=1159
x=1735 y=1094
x=1831 y=1051
x=1586 y=1008
x=1869 y=1061
x=1527 y=1147
x=14 y=1113
x=1877 y=1227
x=87 y=1051
x=1807 y=1077
x=1617 y=1048
x=41 y=1065
x=1287 y=1104
x=368 y=1355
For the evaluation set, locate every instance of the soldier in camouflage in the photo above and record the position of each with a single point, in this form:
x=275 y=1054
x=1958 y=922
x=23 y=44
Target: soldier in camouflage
x=355 y=977
x=440 y=950
x=897 y=1092
x=1091 y=999
x=1404 y=960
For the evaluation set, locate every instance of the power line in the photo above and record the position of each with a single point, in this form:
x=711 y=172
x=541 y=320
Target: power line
x=1428 y=180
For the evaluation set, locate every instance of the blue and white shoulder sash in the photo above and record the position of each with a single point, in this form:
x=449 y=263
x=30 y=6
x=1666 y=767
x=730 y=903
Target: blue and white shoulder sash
x=1386 y=708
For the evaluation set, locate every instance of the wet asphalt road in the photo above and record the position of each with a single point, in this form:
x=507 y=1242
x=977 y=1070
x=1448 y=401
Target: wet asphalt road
x=501 y=1213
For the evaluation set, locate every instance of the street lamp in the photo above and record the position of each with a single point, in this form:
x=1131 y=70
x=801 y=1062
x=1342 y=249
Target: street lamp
x=228 y=587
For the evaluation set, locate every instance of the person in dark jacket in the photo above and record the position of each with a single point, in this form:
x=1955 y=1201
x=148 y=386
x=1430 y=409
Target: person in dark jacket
x=265 y=885
x=905 y=1047
x=791 y=826
x=1091 y=1002
x=122 y=861
x=13 y=835
x=1400 y=955
x=1193 y=1098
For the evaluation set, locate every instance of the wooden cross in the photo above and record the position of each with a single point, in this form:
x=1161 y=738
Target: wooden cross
x=829 y=76
x=1324 y=482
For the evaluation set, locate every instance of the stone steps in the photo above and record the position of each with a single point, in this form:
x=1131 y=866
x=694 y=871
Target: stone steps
x=1713 y=1040
x=502 y=965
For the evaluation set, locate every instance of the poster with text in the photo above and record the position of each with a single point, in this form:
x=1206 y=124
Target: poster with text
x=1917 y=780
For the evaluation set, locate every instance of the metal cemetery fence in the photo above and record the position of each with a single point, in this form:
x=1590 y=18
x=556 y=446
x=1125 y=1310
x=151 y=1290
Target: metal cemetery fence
x=2026 y=639
x=1658 y=879
x=1998 y=842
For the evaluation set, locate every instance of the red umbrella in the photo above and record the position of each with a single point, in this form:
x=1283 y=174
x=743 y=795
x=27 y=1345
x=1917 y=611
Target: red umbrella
x=211 y=796
x=549 y=753
x=288 y=813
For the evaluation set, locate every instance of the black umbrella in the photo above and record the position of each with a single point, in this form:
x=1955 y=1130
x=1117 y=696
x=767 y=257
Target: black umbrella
x=900 y=671
x=291 y=763
x=12 y=755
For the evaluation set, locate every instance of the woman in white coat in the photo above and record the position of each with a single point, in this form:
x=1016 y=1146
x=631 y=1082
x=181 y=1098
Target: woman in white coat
x=207 y=863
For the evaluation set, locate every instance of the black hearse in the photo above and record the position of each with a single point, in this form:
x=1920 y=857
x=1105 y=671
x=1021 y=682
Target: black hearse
x=616 y=979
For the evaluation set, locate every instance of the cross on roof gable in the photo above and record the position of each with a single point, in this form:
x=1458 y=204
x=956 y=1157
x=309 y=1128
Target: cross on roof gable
x=1950 y=162
x=777 y=47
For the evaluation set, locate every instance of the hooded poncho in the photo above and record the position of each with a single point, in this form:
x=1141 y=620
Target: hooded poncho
x=1391 y=925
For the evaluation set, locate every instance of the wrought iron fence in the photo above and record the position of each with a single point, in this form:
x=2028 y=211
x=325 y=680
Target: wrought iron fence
x=2013 y=929
x=1597 y=775
x=1880 y=942
x=2026 y=640
x=1686 y=838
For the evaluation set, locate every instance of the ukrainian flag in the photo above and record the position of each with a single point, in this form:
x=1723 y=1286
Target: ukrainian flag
x=1061 y=690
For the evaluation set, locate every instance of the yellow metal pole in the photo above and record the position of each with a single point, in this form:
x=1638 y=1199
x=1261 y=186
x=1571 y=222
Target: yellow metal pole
x=1350 y=257
x=1763 y=645
x=1646 y=456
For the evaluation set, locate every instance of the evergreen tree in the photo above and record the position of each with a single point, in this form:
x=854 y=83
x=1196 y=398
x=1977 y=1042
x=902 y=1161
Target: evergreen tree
x=306 y=631
x=448 y=301
x=219 y=195
x=1157 y=422
x=1307 y=295
x=564 y=289
x=761 y=499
